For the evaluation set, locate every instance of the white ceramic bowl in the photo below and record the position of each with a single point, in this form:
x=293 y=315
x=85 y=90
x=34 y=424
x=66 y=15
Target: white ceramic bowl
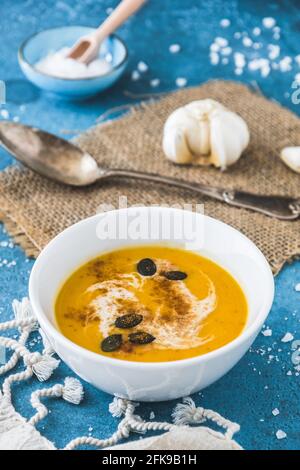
x=151 y=381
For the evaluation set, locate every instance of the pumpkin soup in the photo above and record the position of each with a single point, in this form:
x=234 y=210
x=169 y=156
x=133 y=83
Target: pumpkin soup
x=151 y=303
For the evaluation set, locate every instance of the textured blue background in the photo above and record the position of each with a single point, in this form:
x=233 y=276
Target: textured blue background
x=259 y=383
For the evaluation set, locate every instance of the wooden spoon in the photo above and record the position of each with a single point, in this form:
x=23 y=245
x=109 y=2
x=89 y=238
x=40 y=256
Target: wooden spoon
x=87 y=47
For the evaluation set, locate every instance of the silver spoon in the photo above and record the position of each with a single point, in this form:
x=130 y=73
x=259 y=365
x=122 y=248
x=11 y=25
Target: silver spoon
x=66 y=163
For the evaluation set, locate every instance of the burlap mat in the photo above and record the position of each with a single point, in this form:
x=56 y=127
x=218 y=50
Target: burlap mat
x=35 y=209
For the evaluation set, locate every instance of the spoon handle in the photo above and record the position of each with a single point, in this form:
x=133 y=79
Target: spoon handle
x=280 y=207
x=125 y=9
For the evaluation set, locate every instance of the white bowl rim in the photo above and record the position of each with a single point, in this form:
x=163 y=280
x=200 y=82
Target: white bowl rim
x=246 y=333
x=22 y=58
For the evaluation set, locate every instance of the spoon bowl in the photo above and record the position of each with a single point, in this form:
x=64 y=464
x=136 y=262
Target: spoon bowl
x=49 y=155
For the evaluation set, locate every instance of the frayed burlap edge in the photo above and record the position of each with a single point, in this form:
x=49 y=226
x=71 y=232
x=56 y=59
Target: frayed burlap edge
x=19 y=235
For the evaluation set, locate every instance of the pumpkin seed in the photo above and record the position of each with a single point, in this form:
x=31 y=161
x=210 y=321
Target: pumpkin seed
x=111 y=343
x=175 y=275
x=146 y=267
x=129 y=320
x=141 y=337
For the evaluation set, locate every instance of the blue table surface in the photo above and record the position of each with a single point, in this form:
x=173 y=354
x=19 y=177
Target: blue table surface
x=265 y=379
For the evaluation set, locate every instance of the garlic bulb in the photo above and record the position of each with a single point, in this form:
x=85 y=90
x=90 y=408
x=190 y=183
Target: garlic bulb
x=291 y=157
x=204 y=132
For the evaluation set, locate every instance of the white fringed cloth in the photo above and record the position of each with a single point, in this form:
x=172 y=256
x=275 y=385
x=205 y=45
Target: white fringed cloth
x=17 y=433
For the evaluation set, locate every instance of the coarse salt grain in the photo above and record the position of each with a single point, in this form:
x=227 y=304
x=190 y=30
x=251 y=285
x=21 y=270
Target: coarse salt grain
x=238 y=71
x=297 y=287
x=297 y=78
x=275 y=412
x=181 y=82
x=135 y=75
x=267 y=332
x=225 y=22
x=174 y=48
x=285 y=65
x=287 y=338
x=260 y=64
x=222 y=42
x=226 y=51
x=155 y=82
x=256 y=31
x=142 y=67
x=268 y=22
x=152 y=415
x=297 y=59
x=274 y=51
x=214 y=47
x=281 y=434
x=4 y=113
x=239 y=60
x=247 y=42
x=214 y=58
x=237 y=35
x=225 y=61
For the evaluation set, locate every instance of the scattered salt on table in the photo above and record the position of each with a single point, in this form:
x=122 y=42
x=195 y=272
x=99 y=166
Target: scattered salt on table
x=281 y=434
x=275 y=412
x=214 y=58
x=174 y=48
x=142 y=67
x=225 y=22
x=274 y=51
x=267 y=332
x=287 y=338
x=181 y=81
x=135 y=75
x=222 y=42
x=155 y=82
x=247 y=42
x=268 y=22
x=4 y=113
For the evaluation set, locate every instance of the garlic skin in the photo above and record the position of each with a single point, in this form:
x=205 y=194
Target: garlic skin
x=204 y=132
x=291 y=157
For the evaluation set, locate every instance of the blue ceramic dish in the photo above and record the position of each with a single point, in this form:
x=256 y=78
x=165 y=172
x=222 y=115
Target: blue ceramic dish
x=40 y=44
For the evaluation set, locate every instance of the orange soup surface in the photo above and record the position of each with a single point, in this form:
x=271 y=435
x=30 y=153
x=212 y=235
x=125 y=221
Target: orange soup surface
x=151 y=304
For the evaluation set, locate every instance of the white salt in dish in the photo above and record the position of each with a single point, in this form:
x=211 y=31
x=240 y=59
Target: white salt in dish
x=58 y=64
x=41 y=60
